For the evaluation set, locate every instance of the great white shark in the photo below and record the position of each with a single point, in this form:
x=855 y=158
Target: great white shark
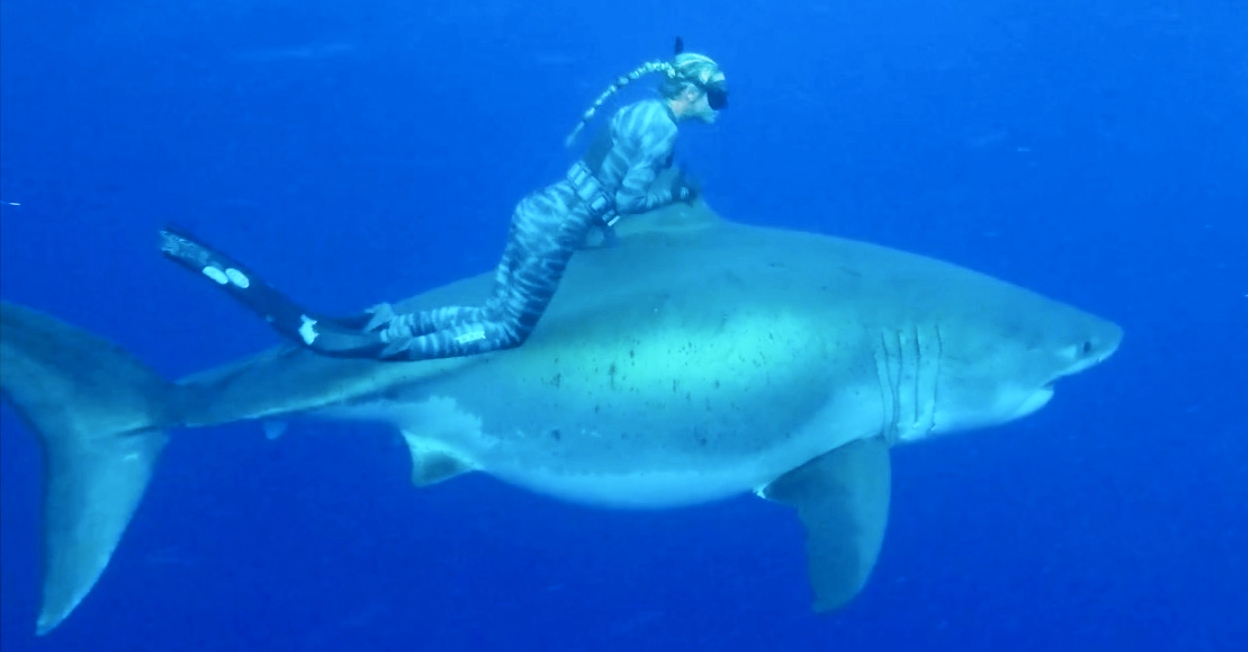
x=695 y=360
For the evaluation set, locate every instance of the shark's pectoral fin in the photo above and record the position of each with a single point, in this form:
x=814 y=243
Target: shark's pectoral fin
x=842 y=498
x=97 y=411
x=431 y=463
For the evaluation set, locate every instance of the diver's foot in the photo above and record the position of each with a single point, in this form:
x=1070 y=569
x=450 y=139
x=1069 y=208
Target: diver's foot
x=376 y=318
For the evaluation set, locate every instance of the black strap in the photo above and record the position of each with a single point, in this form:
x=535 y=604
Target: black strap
x=596 y=153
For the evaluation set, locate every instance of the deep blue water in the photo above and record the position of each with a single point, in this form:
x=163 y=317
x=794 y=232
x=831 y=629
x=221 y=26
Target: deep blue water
x=1096 y=151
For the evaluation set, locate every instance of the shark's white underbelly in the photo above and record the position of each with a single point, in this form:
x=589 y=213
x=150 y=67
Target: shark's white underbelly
x=602 y=469
x=656 y=488
x=680 y=482
x=639 y=489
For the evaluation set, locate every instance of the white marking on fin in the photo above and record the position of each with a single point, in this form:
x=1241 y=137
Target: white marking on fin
x=215 y=274
x=238 y=278
x=307 y=330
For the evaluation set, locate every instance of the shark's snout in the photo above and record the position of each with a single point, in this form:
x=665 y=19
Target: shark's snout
x=1100 y=344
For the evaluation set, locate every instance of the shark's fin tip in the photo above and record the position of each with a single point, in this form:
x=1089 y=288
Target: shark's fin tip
x=432 y=464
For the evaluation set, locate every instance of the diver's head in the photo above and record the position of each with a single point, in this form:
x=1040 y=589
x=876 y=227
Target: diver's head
x=694 y=87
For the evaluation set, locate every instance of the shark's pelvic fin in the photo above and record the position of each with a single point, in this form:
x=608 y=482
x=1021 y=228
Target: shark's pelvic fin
x=432 y=464
x=842 y=498
x=97 y=411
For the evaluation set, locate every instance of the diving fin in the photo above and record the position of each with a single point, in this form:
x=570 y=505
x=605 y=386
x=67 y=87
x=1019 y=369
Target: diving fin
x=245 y=286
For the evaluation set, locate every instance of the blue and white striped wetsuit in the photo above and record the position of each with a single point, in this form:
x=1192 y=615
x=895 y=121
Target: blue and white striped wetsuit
x=612 y=180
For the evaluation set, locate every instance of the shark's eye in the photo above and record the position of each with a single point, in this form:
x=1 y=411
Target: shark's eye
x=1087 y=347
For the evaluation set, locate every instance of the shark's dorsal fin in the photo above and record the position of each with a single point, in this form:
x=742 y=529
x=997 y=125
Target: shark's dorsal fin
x=842 y=498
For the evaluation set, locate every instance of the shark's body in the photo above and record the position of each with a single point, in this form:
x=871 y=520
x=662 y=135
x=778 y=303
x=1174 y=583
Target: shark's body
x=697 y=360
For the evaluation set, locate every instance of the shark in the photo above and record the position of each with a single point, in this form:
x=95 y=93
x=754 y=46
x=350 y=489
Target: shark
x=695 y=359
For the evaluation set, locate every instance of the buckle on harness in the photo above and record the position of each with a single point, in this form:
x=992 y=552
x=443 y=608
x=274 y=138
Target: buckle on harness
x=589 y=189
x=579 y=173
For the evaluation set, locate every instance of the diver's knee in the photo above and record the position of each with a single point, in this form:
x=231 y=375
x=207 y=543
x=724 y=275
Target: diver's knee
x=514 y=337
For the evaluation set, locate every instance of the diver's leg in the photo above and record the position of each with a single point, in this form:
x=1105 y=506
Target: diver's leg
x=546 y=230
x=395 y=326
x=421 y=322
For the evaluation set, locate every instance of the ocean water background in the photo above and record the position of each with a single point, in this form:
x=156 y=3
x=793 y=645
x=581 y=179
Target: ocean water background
x=1096 y=151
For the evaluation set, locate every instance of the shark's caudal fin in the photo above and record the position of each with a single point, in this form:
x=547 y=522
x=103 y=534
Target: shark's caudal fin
x=842 y=498
x=98 y=413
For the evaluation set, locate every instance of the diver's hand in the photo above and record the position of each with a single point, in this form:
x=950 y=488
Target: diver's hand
x=685 y=188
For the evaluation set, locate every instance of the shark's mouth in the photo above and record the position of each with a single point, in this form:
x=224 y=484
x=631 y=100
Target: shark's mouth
x=1035 y=401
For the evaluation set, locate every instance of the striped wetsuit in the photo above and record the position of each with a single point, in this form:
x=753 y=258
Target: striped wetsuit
x=612 y=180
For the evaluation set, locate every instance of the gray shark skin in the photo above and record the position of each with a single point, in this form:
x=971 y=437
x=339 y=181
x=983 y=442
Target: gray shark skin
x=696 y=360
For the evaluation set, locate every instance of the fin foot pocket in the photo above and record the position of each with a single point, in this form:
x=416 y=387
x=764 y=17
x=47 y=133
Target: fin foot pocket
x=330 y=338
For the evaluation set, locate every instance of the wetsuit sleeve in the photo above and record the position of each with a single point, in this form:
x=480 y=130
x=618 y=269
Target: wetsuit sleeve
x=647 y=138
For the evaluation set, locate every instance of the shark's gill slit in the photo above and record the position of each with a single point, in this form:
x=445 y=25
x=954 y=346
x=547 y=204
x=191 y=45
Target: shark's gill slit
x=920 y=405
x=937 y=379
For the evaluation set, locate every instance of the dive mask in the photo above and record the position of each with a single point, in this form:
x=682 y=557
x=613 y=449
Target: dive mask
x=716 y=97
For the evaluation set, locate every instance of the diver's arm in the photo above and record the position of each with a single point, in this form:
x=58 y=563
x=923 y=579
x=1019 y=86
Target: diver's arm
x=636 y=194
x=643 y=139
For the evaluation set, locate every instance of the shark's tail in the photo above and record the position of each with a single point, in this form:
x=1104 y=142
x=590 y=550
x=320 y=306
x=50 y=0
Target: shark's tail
x=99 y=413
